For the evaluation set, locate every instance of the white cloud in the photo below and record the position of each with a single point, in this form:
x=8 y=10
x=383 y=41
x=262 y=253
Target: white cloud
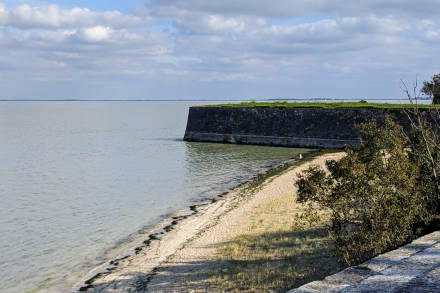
x=219 y=23
x=97 y=33
x=298 y=8
x=57 y=36
x=208 y=24
x=3 y=14
x=51 y=16
x=433 y=35
x=218 y=48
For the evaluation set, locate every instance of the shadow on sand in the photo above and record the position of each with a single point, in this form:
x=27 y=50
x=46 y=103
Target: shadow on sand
x=279 y=262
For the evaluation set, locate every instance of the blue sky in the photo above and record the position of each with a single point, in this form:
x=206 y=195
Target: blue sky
x=243 y=49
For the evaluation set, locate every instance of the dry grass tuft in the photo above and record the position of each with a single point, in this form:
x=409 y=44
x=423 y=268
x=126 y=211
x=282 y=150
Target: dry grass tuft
x=282 y=250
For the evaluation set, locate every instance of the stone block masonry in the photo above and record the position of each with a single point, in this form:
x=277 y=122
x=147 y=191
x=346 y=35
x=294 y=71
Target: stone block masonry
x=289 y=127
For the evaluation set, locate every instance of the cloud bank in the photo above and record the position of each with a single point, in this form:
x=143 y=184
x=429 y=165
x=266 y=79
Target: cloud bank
x=244 y=49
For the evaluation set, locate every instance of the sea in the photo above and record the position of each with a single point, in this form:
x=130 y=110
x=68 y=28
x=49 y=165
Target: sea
x=78 y=179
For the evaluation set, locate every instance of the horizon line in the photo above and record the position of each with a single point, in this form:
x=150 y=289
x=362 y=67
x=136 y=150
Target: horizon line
x=195 y=99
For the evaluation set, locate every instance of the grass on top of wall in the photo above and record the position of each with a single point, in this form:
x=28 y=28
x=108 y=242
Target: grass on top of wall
x=332 y=105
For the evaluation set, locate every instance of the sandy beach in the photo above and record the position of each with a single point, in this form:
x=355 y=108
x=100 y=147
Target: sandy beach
x=178 y=255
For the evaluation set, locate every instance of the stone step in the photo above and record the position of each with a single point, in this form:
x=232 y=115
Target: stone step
x=414 y=267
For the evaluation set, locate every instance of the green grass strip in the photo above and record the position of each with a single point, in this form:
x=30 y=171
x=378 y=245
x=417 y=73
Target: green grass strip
x=336 y=105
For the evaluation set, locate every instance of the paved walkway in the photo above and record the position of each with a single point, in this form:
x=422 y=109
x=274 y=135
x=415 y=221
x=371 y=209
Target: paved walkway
x=412 y=268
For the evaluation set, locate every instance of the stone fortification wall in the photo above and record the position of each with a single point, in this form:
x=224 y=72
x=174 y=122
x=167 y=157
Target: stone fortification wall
x=292 y=127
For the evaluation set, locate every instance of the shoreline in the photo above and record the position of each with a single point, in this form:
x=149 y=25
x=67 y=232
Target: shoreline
x=141 y=256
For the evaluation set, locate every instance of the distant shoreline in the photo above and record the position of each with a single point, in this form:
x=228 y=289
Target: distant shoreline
x=113 y=100
x=205 y=100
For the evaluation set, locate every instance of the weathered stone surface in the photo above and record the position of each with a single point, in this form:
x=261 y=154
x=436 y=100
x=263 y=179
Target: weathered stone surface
x=412 y=268
x=336 y=282
x=319 y=286
x=378 y=283
x=293 y=127
x=428 y=283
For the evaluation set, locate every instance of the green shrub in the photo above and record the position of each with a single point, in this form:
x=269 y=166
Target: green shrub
x=431 y=88
x=372 y=194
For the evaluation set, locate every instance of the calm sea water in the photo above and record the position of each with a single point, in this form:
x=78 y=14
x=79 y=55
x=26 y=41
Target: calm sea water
x=77 y=178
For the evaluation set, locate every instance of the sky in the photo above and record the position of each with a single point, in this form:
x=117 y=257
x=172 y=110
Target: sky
x=216 y=49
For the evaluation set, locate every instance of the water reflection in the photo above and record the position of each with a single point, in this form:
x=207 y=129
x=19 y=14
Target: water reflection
x=228 y=165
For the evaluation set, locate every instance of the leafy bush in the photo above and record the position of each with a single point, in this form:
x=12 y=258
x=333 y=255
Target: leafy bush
x=379 y=194
x=432 y=88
